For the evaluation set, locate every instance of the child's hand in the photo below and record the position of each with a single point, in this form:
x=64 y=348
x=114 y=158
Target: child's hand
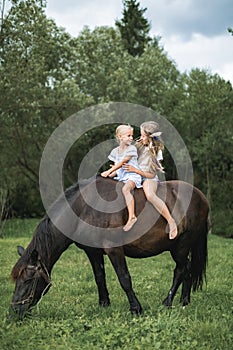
x=105 y=173
x=129 y=168
x=114 y=173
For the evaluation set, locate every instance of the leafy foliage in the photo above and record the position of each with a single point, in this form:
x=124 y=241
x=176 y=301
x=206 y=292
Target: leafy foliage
x=36 y=94
x=134 y=28
x=204 y=118
x=230 y=30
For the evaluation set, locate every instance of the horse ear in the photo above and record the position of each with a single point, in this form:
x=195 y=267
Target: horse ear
x=20 y=250
x=34 y=257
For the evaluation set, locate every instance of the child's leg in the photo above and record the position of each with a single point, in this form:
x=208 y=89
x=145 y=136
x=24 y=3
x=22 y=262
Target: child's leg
x=129 y=199
x=150 y=188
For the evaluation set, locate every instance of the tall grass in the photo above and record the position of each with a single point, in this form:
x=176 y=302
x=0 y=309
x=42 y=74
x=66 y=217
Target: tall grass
x=69 y=317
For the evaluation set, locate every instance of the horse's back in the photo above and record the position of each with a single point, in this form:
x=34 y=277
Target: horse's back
x=188 y=206
x=183 y=194
x=182 y=199
x=149 y=235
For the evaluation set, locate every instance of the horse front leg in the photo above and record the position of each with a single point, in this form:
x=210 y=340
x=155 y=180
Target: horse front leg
x=97 y=262
x=117 y=258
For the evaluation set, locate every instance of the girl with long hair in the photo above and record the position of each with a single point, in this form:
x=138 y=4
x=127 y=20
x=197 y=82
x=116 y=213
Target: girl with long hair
x=150 y=147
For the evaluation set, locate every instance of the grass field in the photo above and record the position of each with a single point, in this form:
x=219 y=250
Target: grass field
x=69 y=316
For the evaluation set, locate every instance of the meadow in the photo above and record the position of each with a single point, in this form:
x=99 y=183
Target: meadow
x=69 y=316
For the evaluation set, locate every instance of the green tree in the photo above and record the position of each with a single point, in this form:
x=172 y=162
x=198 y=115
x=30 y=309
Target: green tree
x=104 y=70
x=204 y=119
x=230 y=30
x=156 y=80
x=100 y=63
x=134 y=28
x=36 y=93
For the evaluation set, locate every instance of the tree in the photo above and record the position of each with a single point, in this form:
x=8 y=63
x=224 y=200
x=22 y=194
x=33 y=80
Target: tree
x=36 y=93
x=134 y=28
x=101 y=68
x=156 y=79
x=204 y=119
x=2 y=9
x=230 y=30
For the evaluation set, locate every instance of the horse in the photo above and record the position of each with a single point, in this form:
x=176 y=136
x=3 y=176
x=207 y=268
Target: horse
x=189 y=207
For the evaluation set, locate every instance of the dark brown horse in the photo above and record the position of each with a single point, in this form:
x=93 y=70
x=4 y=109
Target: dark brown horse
x=147 y=238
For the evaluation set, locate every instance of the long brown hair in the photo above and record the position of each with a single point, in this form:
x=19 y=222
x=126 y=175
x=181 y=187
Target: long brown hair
x=155 y=144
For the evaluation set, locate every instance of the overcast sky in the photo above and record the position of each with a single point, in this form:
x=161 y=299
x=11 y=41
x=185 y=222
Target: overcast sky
x=193 y=32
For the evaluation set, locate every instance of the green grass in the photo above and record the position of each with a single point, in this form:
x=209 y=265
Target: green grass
x=69 y=317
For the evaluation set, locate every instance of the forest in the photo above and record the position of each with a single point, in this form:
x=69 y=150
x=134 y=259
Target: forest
x=46 y=75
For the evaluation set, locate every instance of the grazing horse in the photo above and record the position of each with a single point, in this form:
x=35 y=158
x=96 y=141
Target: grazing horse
x=148 y=238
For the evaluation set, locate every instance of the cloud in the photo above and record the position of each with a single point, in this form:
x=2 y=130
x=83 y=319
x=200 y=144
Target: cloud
x=193 y=32
x=214 y=54
x=74 y=15
x=180 y=17
x=185 y=17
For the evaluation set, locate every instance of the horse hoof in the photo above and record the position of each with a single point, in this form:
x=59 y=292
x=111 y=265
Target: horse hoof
x=137 y=312
x=185 y=302
x=167 y=303
x=104 y=303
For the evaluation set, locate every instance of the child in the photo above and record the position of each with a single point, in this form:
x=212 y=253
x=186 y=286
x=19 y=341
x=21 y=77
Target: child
x=150 y=155
x=125 y=153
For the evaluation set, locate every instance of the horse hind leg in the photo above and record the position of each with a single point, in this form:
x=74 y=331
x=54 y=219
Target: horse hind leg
x=177 y=280
x=186 y=285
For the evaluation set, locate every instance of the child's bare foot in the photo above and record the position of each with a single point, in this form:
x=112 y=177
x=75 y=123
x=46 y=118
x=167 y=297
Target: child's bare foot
x=129 y=224
x=172 y=229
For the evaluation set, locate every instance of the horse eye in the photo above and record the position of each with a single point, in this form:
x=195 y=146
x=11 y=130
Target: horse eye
x=28 y=281
x=30 y=271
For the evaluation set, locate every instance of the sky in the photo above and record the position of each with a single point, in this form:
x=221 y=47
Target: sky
x=193 y=32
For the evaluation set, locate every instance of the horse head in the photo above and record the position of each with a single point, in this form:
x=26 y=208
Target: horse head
x=32 y=281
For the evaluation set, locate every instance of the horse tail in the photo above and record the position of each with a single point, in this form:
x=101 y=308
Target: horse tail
x=199 y=258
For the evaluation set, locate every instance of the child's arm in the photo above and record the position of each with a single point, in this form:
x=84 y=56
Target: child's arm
x=132 y=169
x=115 y=167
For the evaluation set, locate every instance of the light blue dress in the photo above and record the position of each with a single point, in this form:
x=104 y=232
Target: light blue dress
x=122 y=175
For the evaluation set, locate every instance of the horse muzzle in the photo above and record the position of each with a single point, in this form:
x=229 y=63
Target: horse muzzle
x=19 y=309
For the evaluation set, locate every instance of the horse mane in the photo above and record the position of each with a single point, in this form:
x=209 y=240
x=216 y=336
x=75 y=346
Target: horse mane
x=44 y=234
x=41 y=241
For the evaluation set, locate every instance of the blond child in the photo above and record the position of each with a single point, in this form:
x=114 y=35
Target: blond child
x=125 y=153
